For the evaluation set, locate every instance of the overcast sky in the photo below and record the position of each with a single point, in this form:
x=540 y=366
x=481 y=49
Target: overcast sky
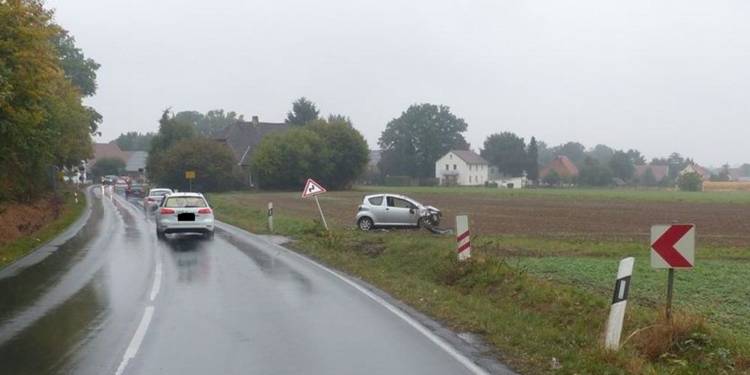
x=659 y=76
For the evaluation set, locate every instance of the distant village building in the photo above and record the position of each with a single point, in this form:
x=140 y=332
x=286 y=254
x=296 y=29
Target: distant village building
x=695 y=168
x=462 y=167
x=136 y=165
x=562 y=166
x=243 y=138
x=660 y=172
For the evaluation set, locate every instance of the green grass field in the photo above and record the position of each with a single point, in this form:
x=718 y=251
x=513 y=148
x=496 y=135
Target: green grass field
x=538 y=297
x=643 y=194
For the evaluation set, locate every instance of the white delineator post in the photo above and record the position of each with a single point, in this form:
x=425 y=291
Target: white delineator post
x=270 y=217
x=619 y=302
x=463 y=238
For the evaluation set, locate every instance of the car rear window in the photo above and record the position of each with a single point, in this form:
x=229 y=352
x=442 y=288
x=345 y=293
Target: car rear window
x=376 y=201
x=158 y=193
x=179 y=202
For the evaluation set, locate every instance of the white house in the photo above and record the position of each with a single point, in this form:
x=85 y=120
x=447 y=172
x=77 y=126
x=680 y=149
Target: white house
x=462 y=167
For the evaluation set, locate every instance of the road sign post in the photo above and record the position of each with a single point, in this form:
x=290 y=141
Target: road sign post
x=672 y=247
x=313 y=189
x=190 y=176
x=619 y=303
x=463 y=237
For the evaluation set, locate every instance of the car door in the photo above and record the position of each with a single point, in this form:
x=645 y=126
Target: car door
x=377 y=208
x=400 y=211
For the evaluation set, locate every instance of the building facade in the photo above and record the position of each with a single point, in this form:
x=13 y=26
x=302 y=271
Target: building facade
x=462 y=167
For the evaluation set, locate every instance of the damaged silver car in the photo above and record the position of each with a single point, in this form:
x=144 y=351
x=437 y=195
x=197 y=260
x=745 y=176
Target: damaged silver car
x=393 y=210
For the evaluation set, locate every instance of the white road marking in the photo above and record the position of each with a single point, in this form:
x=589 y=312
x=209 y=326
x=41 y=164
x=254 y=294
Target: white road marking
x=471 y=366
x=157 y=281
x=137 y=340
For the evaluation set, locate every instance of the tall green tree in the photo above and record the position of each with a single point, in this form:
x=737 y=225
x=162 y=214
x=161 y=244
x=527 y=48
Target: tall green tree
x=43 y=123
x=575 y=151
x=507 y=152
x=135 y=141
x=303 y=112
x=532 y=161
x=593 y=173
x=331 y=152
x=422 y=134
x=214 y=166
x=171 y=131
x=622 y=165
x=601 y=153
x=211 y=123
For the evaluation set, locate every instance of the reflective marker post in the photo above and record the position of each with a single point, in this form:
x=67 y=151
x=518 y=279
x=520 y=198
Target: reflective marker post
x=619 y=302
x=463 y=238
x=270 y=217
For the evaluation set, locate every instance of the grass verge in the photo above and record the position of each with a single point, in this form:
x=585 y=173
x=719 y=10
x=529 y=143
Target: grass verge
x=539 y=322
x=69 y=213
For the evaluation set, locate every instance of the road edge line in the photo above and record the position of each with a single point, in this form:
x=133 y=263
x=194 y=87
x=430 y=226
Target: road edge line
x=435 y=339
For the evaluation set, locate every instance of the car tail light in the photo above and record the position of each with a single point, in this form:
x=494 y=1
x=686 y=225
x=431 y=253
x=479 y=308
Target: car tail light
x=166 y=211
x=150 y=199
x=204 y=211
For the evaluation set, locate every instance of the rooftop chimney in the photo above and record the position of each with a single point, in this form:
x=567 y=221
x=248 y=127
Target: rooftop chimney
x=255 y=120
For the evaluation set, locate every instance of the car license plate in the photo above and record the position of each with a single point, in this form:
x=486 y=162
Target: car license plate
x=186 y=216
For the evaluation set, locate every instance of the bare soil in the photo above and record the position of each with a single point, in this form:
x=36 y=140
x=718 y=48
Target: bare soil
x=717 y=223
x=20 y=219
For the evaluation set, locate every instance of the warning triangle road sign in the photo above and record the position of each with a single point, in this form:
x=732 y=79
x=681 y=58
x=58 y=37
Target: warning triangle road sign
x=312 y=188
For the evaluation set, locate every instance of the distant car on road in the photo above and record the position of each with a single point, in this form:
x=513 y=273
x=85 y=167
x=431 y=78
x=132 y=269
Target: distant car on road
x=185 y=213
x=393 y=210
x=155 y=197
x=135 y=191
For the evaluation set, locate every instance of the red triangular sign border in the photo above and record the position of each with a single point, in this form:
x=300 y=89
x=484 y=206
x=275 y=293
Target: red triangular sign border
x=309 y=184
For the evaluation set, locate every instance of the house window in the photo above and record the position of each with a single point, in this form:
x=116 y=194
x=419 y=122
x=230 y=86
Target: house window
x=447 y=167
x=454 y=167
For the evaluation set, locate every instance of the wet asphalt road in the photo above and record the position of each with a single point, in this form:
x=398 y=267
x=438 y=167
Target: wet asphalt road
x=112 y=299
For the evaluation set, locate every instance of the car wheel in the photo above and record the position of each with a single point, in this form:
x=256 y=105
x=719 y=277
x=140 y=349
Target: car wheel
x=365 y=223
x=160 y=235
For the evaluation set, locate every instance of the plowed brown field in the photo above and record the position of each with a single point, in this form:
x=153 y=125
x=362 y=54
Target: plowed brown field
x=554 y=216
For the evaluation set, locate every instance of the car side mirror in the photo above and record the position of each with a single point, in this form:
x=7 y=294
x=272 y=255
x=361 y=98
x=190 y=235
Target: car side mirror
x=411 y=210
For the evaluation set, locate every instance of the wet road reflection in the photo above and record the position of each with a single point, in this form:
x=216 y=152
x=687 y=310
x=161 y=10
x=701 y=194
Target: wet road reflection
x=232 y=305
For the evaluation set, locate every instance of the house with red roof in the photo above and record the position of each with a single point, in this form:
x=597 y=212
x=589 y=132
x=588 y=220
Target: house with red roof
x=562 y=166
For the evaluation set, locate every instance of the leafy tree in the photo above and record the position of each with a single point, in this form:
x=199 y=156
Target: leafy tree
x=170 y=132
x=552 y=179
x=346 y=152
x=636 y=157
x=622 y=165
x=575 y=151
x=285 y=160
x=507 y=152
x=745 y=170
x=338 y=118
x=43 y=123
x=690 y=182
x=303 y=111
x=108 y=166
x=546 y=154
x=593 y=173
x=532 y=161
x=135 y=141
x=332 y=152
x=214 y=166
x=422 y=134
x=723 y=174
x=211 y=123
x=602 y=153
x=81 y=71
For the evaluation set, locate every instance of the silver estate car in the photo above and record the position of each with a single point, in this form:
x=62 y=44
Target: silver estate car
x=393 y=210
x=184 y=213
x=154 y=198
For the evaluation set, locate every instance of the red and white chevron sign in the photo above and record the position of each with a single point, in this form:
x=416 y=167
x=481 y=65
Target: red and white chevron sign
x=673 y=246
x=463 y=238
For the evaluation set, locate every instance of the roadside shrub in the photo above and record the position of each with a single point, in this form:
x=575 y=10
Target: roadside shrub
x=552 y=179
x=212 y=162
x=429 y=181
x=491 y=184
x=690 y=182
